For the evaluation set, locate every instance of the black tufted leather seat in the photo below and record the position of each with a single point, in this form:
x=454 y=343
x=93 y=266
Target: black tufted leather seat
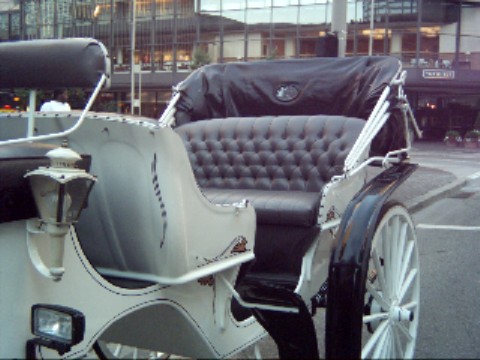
x=279 y=163
x=278 y=151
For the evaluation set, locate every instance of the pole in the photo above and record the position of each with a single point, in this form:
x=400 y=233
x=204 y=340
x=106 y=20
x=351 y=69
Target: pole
x=370 y=40
x=31 y=112
x=355 y=31
x=419 y=32
x=245 y=33
x=132 y=58
x=339 y=24
x=457 y=34
x=140 y=89
x=387 y=24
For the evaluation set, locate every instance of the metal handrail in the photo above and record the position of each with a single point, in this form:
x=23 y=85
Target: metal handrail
x=79 y=122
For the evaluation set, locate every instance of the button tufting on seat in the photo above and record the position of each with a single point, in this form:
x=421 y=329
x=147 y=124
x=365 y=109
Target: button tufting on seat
x=282 y=154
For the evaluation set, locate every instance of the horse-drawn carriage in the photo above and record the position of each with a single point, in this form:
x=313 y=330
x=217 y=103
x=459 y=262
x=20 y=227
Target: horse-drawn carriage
x=242 y=211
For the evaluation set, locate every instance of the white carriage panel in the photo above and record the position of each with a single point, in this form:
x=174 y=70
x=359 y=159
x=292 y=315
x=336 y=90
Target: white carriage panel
x=146 y=217
x=154 y=310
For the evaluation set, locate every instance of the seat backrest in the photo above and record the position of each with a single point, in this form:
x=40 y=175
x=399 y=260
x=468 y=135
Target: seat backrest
x=318 y=86
x=296 y=153
x=53 y=64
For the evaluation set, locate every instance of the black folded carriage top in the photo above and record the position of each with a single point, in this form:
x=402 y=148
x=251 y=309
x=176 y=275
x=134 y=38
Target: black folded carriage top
x=318 y=86
x=275 y=132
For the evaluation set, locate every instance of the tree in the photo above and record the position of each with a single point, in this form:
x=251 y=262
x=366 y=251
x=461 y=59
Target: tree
x=199 y=58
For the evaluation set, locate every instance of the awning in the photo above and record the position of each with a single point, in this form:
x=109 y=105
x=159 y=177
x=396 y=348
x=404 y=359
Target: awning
x=443 y=81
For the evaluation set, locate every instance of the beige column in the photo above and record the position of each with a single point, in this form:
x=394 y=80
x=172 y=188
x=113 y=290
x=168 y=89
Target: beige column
x=396 y=43
x=339 y=24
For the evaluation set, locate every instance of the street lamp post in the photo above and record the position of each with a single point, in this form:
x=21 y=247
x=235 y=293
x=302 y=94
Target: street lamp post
x=132 y=58
x=339 y=24
x=370 y=39
x=458 y=33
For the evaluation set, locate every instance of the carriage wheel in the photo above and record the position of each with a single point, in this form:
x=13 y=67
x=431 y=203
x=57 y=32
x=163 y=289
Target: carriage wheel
x=387 y=326
x=106 y=350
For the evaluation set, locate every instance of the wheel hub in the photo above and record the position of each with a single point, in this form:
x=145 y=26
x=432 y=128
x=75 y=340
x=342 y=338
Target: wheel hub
x=398 y=314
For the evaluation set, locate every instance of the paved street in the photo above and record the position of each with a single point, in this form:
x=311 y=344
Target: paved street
x=458 y=161
x=449 y=243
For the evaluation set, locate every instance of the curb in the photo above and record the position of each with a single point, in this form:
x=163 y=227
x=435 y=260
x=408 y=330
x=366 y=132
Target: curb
x=420 y=202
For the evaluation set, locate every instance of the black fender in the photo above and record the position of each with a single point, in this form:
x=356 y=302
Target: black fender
x=349 y=261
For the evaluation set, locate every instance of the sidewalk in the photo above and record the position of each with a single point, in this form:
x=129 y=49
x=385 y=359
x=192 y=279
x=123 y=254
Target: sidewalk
x=442 y=172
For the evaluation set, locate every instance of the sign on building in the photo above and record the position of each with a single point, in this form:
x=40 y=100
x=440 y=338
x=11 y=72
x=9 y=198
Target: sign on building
x=439 y=74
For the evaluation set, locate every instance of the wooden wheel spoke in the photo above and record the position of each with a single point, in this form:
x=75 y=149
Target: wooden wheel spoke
x=380 y=273
x=391 y=346
x=405 y=332
x=377 y=296
x=387 y=260
x=393 y=245
x=406 y=285
x=400 y=255
x=410 y=305
x=375 y=317
x=382 y=344
x=399 y=354
x=406 y=261
x=369 y=346
x=118 y=350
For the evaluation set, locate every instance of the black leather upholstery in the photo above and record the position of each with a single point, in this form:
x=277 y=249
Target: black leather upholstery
x=278 y=163
x=52 y=63
x=272 y=207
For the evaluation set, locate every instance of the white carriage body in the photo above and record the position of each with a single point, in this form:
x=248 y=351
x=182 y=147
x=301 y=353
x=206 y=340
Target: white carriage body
x=153 y=262
x=171 y=259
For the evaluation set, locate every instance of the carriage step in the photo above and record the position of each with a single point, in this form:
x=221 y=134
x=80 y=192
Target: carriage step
x=268 y=289
x=293 y=332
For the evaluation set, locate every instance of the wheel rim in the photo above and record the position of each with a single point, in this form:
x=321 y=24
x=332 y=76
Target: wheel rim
x=392 y=289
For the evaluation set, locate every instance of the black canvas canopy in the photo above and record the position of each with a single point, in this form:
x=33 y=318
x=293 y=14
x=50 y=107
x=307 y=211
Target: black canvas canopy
x=329 y=86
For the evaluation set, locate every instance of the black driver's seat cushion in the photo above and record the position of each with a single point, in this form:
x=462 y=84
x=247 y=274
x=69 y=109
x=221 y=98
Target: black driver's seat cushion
x=280 y=165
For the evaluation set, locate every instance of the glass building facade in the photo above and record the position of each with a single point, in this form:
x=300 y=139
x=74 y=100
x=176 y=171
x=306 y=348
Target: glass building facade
x=165 y=39
x=168 y=31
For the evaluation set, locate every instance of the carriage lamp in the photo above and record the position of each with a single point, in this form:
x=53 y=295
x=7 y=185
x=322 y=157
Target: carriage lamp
x=56 y=327
x=60 y=192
